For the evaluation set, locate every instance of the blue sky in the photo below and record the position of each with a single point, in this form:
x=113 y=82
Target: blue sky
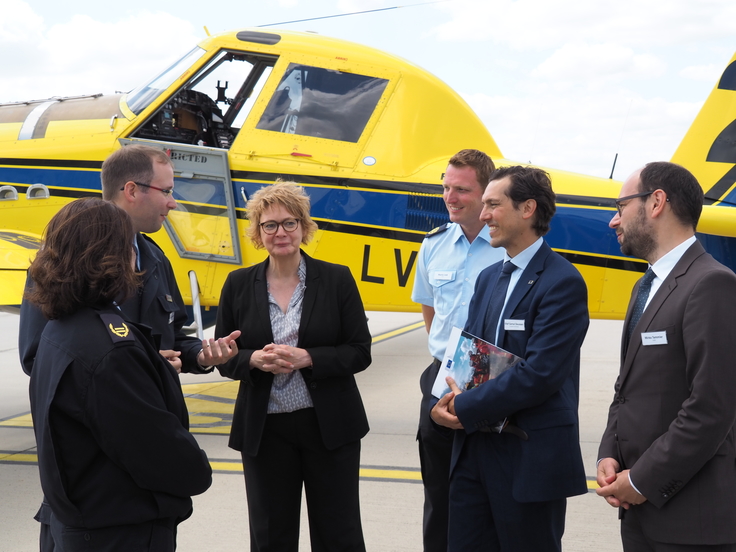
x=564 y=84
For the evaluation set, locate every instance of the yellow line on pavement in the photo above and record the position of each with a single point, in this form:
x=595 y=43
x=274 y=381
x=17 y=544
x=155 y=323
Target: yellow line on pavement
x=236 y=466
x=400 y=331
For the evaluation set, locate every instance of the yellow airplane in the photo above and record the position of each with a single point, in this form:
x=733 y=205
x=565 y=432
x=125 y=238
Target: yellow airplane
x=367 y=133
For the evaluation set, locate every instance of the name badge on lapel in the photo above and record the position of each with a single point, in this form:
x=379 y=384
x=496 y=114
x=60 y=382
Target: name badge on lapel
x=654 y=338
x=511 y=325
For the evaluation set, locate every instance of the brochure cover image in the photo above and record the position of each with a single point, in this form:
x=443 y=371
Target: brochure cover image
x=470 y=361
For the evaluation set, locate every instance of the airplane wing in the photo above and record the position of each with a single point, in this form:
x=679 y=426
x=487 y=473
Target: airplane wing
x=17 y=249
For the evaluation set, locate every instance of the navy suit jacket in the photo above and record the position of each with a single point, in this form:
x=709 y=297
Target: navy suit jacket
x=540 y=393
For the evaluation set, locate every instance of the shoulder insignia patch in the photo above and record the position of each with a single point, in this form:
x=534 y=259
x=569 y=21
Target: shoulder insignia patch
x=116 y=327
x=437 y=231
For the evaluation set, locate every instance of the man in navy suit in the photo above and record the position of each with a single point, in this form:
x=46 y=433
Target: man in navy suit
x=508 y=489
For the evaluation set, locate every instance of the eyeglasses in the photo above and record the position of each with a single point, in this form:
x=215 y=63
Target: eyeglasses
x=271 y=226
x=619 y=201
x=167 y=192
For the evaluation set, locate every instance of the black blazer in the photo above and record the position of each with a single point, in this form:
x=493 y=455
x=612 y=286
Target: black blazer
x=333 y=329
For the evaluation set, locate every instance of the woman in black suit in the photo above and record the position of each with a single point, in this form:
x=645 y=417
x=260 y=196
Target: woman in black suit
x=298 y=417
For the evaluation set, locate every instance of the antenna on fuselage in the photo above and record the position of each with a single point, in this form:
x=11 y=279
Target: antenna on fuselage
x=614 y=167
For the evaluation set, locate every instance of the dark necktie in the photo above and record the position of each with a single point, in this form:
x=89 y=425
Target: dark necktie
x=641 y=299
x=498 y=298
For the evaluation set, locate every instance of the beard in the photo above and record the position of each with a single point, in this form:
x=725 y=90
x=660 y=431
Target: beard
x=638 y=237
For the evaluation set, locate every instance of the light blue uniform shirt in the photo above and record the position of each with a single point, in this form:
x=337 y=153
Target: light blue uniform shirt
x=447 y=268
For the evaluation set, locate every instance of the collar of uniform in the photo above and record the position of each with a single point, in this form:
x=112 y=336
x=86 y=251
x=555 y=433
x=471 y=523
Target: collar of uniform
x=524 y=258
x=457 y=233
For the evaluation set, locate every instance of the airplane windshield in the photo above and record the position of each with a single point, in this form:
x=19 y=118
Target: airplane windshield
x=210 y=108
x=141 y=97
x=323 y=103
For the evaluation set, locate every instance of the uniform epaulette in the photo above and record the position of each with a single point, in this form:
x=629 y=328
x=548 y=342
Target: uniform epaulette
x=116 y=327
x=437 y=231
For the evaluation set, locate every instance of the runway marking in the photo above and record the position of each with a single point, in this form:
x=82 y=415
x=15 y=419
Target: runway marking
x=234 y=466
x=22 y=420
x=398 y=332
x=211 y=405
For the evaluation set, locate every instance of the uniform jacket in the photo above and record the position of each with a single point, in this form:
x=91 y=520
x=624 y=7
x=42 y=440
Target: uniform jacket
x=161 y=308
x=671 y=421
x=111 y=425
x=333 y=329
x=540 y=393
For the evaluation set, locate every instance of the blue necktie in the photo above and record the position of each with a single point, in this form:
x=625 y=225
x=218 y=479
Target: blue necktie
x=498 y=298
x=641 y=300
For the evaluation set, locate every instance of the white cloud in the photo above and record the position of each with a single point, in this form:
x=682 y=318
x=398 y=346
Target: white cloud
x=590 y=62
x=706 y=73
x=85 y=56
x=541 y=24
x=19 y=23
x=582 y=133
x=349 y=6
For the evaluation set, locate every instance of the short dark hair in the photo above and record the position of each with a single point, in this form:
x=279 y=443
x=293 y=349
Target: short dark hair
x=85 y=259
x=682 y=188
x=134 y=162
x=476 y=160
x=530 y=183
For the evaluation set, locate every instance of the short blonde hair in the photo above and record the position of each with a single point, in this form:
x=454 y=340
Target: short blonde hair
x=288 y=195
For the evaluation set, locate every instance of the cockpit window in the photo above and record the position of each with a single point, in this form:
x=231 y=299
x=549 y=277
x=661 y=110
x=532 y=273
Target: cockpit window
x=323 y=103
x=140 y=98
x=212 y=106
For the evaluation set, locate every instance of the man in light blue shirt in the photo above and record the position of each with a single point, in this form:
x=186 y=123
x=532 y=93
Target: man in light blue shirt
x=450 y=259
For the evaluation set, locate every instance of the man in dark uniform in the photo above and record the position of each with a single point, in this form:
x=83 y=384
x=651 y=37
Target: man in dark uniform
x=140 y=180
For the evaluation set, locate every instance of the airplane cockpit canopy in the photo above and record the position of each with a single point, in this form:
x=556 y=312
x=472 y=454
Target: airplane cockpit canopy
x=210 y=109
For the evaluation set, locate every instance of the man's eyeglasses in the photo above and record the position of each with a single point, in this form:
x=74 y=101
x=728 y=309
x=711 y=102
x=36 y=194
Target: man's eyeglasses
x=271 y=226
x=166 y=192
x=619 y=202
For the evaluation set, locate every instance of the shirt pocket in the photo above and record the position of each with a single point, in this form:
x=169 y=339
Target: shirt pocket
x=443 y=289
x=169 y=307
x=440 y=278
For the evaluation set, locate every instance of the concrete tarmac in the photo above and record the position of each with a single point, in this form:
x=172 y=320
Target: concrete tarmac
x=391 y=493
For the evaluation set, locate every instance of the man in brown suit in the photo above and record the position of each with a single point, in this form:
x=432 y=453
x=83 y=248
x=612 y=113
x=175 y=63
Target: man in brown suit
x=668 y=456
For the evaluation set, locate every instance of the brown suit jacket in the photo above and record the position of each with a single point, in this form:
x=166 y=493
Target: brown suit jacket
x=672 y=418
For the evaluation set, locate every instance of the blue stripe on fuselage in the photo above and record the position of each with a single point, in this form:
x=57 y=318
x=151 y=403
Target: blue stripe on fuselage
x=62 y=178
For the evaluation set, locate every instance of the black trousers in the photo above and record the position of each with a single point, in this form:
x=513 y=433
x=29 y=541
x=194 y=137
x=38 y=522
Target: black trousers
x=435 y=453
x=292 y=455
x=154 y=536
